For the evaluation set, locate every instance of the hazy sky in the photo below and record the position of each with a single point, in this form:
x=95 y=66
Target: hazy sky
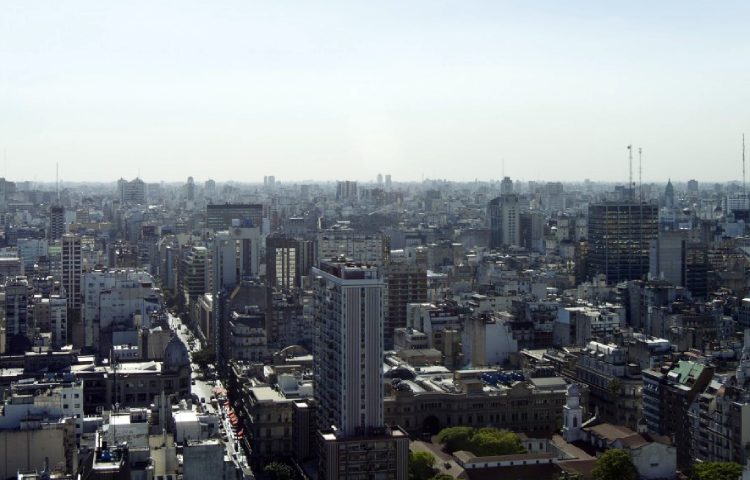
x=345 y=90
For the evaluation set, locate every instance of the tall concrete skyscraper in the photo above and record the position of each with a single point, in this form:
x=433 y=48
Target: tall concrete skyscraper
x=669 y=195
x=348 y=339
x=506 y=186
x=346 y=190
x=72 y=269
x=190 y=189
x=405 y=283
x=620 y=234
x=348 y=319
x=209 y=189
x=132 y=192
x=282 y=261
x=17 y=314
x=220 y=216
x=504 y=212
x=56 y=222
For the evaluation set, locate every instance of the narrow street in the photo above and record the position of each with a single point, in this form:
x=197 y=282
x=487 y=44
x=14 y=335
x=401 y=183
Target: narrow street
x=200 y=387
x=203 y=389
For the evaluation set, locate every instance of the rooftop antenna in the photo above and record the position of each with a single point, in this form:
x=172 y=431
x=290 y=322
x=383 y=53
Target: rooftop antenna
x=640 y=174
x=744 y=193
x=630 y=166
x=57 y=181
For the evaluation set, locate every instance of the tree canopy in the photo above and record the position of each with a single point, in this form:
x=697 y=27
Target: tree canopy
x=279 y=471
x=204 y=356
x=481 y=442
x=421 y=466
x=615 y=464
x=716 y=471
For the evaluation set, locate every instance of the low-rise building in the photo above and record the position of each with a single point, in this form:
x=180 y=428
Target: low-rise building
x=427 y=399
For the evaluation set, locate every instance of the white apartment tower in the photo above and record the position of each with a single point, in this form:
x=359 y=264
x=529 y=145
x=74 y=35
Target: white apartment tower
x=348 y=319
x=505 y=215
x=133 y=192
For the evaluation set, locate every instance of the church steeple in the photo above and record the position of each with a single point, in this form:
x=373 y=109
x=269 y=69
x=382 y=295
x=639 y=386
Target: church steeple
x=573 y=414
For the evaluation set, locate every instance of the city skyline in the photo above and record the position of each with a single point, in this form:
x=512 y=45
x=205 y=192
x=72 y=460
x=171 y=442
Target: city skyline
x=451 y=91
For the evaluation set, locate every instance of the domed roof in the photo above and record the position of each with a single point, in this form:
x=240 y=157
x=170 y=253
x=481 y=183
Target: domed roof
x=574 y=390
x=175 y=355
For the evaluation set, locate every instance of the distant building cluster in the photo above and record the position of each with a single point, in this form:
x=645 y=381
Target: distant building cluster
x=326 y=330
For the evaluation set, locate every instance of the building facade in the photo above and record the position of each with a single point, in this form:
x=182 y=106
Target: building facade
x=505 y=228
x=620 y=234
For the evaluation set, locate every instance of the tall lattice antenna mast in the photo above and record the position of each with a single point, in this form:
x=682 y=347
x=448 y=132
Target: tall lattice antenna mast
x=744 y=192
x=640 y=174
x=57 y=181
x=630 y=170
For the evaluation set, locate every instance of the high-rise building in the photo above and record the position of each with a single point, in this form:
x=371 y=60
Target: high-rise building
x=348 y=316
x=667 y=257
x=380 y=180
x=346 y=190
x=506 y=186
x=17 y=315
x=692 y=187
x=504 y=212
x=388 y=182
x=282 y=260
x=72 y=269
x=190 y=189
x=56 y=222
x=133 y=191
x=234 y=255
x=111 y=300
x=58 y=320
x=532 y=231
x=193 y=275
x=371 y=248
x=220 y=216
x=553 y=199
x=669 y=195
x=620 y=234
x=404 y=284
x=209 y=189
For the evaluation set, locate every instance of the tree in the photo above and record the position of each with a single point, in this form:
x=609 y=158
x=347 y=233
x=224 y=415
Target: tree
x=615 y=386
x=454 y=439
x=204 y=356
x=279 y=471
x=482 y=442
x=421 y=465
x=716 y=471
x=615 y=464
x=492 y=441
